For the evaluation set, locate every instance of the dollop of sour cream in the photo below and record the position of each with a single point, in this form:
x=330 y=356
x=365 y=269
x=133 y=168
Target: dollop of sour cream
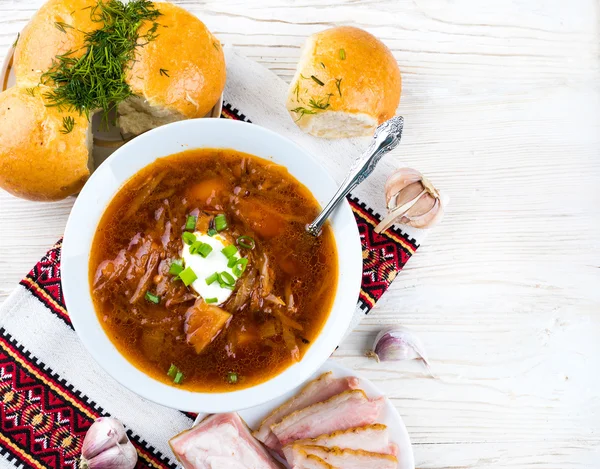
x=204 y=267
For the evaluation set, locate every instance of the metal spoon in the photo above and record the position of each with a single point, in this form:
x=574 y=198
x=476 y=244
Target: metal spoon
x=386 y=138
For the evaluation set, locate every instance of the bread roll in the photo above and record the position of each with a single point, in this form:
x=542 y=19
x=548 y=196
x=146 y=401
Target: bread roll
x=346 y=83
x=56 y=28
x=178 y=75
x=38 y=159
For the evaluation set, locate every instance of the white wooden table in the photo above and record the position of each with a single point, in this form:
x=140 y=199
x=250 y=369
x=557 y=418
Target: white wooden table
x=502 y=107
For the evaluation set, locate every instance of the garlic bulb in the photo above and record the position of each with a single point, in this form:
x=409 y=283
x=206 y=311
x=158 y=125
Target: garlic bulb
x=106 y=446
x=398 y=343
x=411 y=200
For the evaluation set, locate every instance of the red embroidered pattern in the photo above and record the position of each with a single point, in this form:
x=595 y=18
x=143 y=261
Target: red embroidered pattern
x=384 y=254
x=42 y=419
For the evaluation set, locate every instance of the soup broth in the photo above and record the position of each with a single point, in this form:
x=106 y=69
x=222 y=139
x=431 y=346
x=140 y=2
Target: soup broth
x=157 y=228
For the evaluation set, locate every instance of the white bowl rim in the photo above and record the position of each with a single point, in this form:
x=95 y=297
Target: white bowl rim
x=98 y=192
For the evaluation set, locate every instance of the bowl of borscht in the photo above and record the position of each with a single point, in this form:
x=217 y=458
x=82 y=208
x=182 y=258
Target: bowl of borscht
x=188 y=272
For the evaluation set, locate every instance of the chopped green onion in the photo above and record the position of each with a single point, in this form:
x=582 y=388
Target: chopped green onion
x=211 y=232
x=201 y=248
x=152 y=298
x=178 y=378
x=205 y=249
x=190 y=224
x=212 y=278
x=342 y=54
x=172 y=371
x=188 y=238
x=246 y=242
x=232 y=377
x=229 y=251
x=220 y=222
x=176 y=267
x=232 y=261
x=210 y=300
x=229 y=287
x=188 y=276
x=227 y=278
x=240 y=267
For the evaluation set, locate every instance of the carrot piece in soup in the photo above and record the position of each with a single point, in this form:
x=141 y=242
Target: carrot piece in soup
x=264 y=222
x=207 y=192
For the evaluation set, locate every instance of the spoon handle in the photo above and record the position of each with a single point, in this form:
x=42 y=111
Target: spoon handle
x=386 y=138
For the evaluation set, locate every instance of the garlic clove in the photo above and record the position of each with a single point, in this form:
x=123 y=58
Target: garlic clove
x=421 y=206
x=407 y=194
x=412 y=200
x=427 y=219
x=104 y=433
x=398 y=343
x=120 y=456
x=106 y=446
x=400 y=179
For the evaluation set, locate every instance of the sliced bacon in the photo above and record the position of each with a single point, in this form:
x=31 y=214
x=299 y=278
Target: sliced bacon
x=310 y=461
x=317 y=390
x=345 y=458
x=340 y=412
x=373 y=438
x=221 y=441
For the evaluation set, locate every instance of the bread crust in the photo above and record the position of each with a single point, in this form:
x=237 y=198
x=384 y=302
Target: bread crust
x=42 y=39
x=359 y=75
x=192 y=63
x=37 y=160
x=182 y=71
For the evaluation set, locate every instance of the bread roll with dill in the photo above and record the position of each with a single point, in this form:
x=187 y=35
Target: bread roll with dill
x=346 y=83
x=44 y=153
x=58 y=27
x=178 y=75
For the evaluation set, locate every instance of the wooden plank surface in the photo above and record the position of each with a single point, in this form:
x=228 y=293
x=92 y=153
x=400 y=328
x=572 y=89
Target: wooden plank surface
x=502 y=107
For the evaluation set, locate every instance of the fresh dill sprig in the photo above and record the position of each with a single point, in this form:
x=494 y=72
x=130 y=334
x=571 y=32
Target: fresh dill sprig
x=342 y=54
x=338 y=83
x=30 y=91
x=322 y=65
x=68 y=124
x=314 y=106
x=164 y=72
x=152 y=31
x=321 y=104
x=216 y=45
x=62 y=26
x=16 y=40
x=95 y=79
x=297 y=91
x=301 y=111
x=317 y=81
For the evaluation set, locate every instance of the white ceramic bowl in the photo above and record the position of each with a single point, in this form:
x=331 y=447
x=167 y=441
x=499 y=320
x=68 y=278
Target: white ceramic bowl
x=164 y=141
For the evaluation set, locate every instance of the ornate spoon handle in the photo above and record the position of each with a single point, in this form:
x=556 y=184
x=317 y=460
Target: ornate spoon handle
x=386 y=138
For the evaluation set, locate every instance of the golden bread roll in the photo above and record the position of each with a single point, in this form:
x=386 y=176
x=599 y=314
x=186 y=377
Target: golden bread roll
x=178 y=75
x=44 y=153
x=346 y=83
x=58 y=27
